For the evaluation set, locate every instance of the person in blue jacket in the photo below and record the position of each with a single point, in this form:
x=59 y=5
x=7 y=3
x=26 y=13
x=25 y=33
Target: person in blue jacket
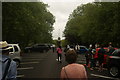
x=8 y=68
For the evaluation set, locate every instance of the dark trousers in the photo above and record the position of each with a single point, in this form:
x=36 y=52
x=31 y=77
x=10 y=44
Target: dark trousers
x=53 y=49
x=95 y=62
x=92 y=63
x=87 y=61
x=59 y=55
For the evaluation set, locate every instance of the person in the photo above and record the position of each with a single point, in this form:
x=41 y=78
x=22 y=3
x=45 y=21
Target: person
x=73 y=70
x=9 y=67
x=53 y=48
x=96 y=55
x=66 y=48
x=110 y=49
x=59 y=41
x=92 y=61
x=90 y=46
x=59 y=52
x=101 y=53
x=96 y=45
x=77 y=48
x=88 y=57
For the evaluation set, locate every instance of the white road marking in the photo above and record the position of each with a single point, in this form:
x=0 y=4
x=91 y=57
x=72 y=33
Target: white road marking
x=20 y=76
x=25 y=68
x=104 y=76
x=29 y=63
x=32 y=59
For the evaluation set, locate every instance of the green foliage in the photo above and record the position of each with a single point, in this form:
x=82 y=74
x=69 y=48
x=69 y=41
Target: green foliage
x=94 y=23
x=27 y=23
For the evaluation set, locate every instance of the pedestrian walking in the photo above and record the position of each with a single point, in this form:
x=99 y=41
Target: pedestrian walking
x=101 y=53
x=73 y=70
x=59 y=53
x=9 y=68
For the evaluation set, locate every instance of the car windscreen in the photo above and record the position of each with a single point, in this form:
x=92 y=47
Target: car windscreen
x=116 y=53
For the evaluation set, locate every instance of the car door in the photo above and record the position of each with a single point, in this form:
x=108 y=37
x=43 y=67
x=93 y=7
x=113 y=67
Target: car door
x=15 y=52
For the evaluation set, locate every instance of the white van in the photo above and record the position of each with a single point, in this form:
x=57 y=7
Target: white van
x=15 y=53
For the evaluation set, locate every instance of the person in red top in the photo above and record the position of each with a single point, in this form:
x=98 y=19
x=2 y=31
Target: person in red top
x=73 y=71
x=59 y=52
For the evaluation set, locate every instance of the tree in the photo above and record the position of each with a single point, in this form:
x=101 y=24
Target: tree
x=94 y=23
x=27 y=23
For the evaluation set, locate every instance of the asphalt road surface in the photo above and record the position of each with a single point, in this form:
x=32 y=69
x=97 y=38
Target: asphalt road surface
x=37 y=66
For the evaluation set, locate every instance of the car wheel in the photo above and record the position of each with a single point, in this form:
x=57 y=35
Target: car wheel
x=114 y=71
x=17 y=62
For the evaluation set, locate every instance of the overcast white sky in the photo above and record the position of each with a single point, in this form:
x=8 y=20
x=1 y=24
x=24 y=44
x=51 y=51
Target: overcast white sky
x=61 y=9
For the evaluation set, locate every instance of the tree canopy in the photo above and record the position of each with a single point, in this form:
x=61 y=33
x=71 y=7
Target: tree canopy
x=94 y=23
x=26 y=23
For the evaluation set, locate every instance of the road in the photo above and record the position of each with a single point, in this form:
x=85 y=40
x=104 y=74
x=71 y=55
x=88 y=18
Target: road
x=45 y=66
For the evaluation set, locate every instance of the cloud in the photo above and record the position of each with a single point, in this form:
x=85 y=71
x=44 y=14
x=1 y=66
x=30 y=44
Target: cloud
x=61 y=9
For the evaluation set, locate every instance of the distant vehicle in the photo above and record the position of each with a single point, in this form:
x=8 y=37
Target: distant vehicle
x=15 y=53
x=82 y=50
x=49 y=45
x=113 y=63
x=37 y=48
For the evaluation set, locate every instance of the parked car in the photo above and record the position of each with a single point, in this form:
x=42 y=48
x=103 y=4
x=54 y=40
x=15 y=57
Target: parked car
x=82 y=50
x=113 y=63
x=37 y=48
x=15 y=53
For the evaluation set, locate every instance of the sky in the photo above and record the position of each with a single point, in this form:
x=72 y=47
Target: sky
x=61 y=9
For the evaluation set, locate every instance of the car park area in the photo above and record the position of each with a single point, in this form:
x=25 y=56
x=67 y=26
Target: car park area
x=39 y=66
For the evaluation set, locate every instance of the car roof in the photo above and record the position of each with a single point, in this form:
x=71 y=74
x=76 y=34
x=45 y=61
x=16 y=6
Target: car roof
x=82 y=46
x=12 y=44
x=118 y=50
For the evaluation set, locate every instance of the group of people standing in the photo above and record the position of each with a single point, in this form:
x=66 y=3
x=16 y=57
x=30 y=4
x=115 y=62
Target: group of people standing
x=95 y=56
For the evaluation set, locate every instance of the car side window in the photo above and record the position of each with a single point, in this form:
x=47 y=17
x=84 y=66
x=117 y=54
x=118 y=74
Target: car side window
x=11 y=50
x=119 y=53
x=16 y=48
x=116 y=53
x=82 y=48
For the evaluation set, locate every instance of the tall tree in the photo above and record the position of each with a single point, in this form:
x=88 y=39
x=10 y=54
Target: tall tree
x=94 y=23
x=27 y=22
